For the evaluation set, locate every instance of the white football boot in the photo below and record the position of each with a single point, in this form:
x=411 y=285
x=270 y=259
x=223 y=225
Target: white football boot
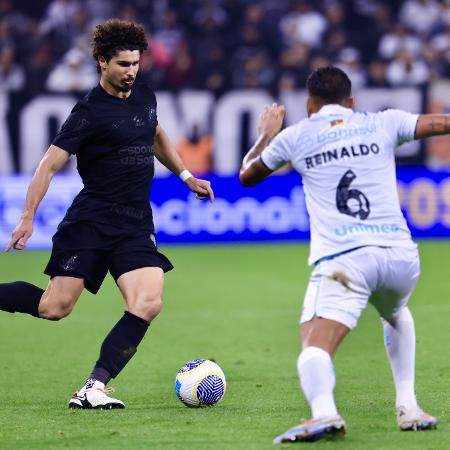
x=313 y=430
x=93 y=395
x=415 y=419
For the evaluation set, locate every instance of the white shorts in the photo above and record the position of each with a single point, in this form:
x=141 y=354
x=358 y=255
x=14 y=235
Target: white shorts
x=340 y=288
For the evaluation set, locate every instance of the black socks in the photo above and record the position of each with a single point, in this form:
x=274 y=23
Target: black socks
x=119 y=347
x=20 y=296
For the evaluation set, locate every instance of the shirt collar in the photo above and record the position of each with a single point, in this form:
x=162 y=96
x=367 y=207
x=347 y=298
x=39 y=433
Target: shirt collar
x=107 y=95
x=334 y=109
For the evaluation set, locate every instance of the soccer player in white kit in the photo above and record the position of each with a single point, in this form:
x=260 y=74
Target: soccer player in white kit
x=361 y=247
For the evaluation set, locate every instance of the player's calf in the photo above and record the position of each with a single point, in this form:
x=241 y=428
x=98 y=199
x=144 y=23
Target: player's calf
x=119 y=346
x=21 y=297
x=116 y=351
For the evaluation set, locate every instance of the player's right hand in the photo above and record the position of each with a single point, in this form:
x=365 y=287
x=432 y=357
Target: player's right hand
x=271 y=120
x=20 y=235
x=200 y=187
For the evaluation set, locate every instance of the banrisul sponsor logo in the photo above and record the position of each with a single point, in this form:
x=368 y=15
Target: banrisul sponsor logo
x=344 y=133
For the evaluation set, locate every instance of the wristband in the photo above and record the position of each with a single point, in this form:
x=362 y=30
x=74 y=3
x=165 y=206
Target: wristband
x=185 y=174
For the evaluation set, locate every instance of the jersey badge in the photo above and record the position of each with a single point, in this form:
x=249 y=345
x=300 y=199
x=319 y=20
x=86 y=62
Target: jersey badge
x=336 y=123
x=138 y=121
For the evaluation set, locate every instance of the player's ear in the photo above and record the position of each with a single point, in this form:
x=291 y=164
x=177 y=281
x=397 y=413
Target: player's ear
x=351 y=103
x=102 y=62
x=310 y=106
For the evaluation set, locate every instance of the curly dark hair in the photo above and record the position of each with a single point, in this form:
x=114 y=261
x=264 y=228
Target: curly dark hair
x=329 y=84
x=115 y=35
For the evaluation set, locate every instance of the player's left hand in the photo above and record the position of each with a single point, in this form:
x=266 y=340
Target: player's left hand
x=200 y=187
x=271 y=120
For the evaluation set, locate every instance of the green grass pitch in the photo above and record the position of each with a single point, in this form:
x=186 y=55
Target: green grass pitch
x=240 y=306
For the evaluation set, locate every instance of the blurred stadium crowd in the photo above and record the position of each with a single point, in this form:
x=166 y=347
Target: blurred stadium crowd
x=229 y=44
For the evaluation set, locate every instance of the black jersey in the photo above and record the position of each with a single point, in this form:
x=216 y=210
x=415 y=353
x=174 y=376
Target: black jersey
x=113 y=141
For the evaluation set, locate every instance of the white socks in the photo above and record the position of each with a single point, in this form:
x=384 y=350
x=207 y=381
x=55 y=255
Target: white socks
x=316 y=371
x=317 y=380
x=400 y=342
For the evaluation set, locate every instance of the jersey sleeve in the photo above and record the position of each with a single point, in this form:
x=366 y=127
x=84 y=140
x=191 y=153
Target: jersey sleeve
x=400 y=125
x=75 y=131
x=279 y=151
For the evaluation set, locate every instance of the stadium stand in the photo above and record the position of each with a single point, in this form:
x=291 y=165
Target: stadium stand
x=270 y=44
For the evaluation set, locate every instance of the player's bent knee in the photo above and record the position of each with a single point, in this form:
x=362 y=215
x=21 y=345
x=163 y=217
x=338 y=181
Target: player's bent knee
x=147 y=307
x=399 y=315
x=55 y=310
x=153 y=307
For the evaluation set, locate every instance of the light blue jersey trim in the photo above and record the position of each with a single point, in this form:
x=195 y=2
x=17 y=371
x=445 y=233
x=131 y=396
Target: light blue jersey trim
x=335 y=255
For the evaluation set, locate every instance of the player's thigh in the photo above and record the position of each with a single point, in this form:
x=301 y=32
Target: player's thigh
x=142 y=290
x=138 y=268
x=338 y=290
x=60 y=297
x=398 y=278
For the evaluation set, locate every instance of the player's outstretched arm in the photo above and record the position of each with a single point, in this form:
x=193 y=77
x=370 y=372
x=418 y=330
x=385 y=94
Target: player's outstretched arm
x=52 y=161
x=432 y=125
x=252 y=169
x=169 y=157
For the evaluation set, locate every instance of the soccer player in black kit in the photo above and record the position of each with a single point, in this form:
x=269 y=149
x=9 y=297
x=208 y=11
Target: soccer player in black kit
x=115 y=136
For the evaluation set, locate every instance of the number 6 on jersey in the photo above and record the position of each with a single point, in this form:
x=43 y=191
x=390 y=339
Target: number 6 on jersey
x=351 y=201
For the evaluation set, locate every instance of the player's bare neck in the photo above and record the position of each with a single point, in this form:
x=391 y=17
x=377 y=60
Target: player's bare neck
x=111 y=90
x=314 y=104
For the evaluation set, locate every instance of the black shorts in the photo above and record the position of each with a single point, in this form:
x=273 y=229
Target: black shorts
x=89 y=250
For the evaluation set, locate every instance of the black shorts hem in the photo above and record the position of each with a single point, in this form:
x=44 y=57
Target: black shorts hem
x=163 y=264
x=89 y=251
x=91 y=287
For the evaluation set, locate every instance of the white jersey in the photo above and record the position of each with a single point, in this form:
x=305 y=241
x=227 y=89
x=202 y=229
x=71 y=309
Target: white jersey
x=347 y=163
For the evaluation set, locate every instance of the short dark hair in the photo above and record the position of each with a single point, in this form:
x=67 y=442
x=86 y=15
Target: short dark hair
x=329 y=84
x=115 y=35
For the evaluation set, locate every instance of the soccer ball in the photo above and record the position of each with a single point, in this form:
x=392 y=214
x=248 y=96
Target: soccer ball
x=200 y=382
